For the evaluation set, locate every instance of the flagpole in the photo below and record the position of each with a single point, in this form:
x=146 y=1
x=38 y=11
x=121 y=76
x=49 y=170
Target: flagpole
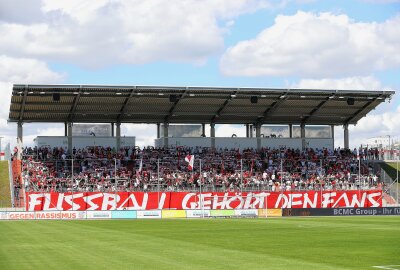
x=320 y=183
x=115 y=182
x=194 y=182
x=359 y=174
x=241 y=175
x=281 y=182
x=201 y=204
x=397 y=176
x=72 y=182
x=158 y=183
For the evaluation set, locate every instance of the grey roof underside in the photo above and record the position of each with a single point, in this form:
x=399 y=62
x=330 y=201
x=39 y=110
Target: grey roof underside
x=152 y=104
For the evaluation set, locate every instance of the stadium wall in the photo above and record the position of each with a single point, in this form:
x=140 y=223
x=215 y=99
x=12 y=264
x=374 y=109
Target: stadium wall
x=83 y=141
x=244 y=143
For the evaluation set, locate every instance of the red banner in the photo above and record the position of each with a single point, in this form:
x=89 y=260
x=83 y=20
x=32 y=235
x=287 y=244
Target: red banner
x=36 y=201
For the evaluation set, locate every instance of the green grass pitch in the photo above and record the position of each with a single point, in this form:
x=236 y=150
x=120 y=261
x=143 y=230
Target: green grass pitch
x=274 y=243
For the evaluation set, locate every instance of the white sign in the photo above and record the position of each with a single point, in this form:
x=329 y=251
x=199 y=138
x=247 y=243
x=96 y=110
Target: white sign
x=149 y=214
x=91 y=130
x=98 y=214
x=197 y=213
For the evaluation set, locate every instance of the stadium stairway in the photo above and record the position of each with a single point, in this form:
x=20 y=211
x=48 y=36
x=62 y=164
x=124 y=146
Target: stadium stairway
x=16 y=173
x=5 y=192
x=388 y=200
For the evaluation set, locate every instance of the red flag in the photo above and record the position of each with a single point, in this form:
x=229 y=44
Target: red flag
x=190 y=159
x=2 y=154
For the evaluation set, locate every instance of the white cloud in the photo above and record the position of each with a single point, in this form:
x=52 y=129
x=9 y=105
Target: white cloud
x=229 y=130
x=20 y=11
x=145 y=133
x=108 y=32
x=26 y=70
x=380 y=122
x=21 y=70
x=316 y=45
x=349 y=83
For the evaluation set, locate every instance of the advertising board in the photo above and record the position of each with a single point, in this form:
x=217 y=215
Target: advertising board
x=173 y=213
x=270 y=212
x=377 y=211
x=246 y=213
x=149 y=214
x=197 y=213
x=98 y=214
x=222 y=213
x=123 y=214
x=45 y=215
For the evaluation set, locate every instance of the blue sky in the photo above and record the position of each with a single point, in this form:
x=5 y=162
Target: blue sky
x=242 y=43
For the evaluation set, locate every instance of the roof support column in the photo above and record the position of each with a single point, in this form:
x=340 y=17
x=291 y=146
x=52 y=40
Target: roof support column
x=290 y=131
x=303 y=135
x=158 y=131
x=251 y=131
x=247 y=131
x=333 y=135
x=212 y=135
x=118 y=135
x=65 y=129
x=69 y=134
x=203 y=130
x=112 y=129
x=346 y=136
x=19 y=140
x=258 y=135
x=166 y=135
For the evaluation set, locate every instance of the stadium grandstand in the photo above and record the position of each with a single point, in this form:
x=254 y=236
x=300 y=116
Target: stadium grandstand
x=294 y=160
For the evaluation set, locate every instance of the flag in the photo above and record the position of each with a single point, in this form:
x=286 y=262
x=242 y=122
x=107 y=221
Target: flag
x=190 y=159
x=2 y=154
x=141 y=165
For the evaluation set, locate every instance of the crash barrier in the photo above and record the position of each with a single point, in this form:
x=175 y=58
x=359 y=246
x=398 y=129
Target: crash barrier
x=139 y=214
x=362 y=211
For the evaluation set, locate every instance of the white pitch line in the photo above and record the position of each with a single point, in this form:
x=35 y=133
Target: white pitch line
x=387 y=267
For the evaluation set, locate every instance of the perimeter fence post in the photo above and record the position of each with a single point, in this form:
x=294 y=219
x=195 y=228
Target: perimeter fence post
x=397 y=178
x=72 y=179
x=201 y=195
x=158 y=183
x=281 y=187
x=115 y=181
x=241 y=175
x=321 y=180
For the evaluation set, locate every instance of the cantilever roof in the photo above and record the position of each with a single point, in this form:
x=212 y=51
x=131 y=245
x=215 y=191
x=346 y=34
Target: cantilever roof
x=158 y=104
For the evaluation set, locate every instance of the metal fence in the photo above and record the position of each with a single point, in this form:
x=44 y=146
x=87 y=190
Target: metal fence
x=391 y=180
x=208 y=175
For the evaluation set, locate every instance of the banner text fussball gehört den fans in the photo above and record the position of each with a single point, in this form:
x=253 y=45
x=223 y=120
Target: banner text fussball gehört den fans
x=36 y=201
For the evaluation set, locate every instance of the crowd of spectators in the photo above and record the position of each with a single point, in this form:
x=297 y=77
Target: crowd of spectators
x=150 y=169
